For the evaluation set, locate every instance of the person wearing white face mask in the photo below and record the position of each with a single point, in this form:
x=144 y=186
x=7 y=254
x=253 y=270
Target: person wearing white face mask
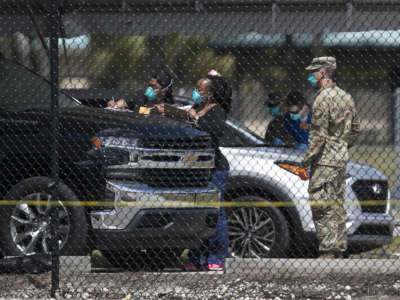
x=298 y=119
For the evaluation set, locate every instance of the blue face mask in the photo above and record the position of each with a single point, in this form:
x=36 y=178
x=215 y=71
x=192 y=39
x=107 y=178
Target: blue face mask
x=312 y=80
x=150 y=94
x=197 y=98
x=274 y=111
x=295 y=117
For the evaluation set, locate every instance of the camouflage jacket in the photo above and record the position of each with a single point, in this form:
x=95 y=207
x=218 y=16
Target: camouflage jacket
x=334 y=127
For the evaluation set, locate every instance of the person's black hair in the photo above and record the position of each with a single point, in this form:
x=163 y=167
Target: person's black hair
x=222 y=92
x=166 y=81
x=295 y=98
x=274 y=99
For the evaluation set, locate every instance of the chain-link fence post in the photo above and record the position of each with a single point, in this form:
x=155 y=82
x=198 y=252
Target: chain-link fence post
x=53 y=18
x=397 y=134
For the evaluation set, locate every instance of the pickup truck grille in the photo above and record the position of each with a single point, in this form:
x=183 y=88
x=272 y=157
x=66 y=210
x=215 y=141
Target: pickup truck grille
x=175 y=177
x=369 y=190
x=192 y=143
x=165 y=162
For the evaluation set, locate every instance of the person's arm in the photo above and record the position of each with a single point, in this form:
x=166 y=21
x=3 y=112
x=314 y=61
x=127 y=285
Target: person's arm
x=318 y=130
x=174 y=112
x=355 y=128
x=269 y=136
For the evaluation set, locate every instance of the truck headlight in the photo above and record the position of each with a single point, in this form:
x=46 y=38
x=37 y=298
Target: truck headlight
x=114 y=142
x=118 y=142
x=96 y=142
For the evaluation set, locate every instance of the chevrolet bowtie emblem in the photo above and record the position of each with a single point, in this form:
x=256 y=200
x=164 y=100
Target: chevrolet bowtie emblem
x=190 y=158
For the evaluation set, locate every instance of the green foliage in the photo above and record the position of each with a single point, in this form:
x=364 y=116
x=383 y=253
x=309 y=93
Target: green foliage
x=116 y=61
x=120 y=62
x=273 y=77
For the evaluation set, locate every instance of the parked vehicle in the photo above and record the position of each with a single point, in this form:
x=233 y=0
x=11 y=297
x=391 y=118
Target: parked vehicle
x=275 y=218
x=156 y=177
x=142 y=205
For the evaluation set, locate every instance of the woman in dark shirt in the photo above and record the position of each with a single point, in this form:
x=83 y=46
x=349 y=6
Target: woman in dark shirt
x=212 y=98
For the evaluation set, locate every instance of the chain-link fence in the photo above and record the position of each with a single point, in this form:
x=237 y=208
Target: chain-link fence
x=199 y=149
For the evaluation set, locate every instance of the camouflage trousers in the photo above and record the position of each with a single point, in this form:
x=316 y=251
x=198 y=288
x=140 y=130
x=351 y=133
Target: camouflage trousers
x=327 y=191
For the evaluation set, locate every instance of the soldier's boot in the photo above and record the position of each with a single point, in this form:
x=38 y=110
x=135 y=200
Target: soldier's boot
x=331 y=254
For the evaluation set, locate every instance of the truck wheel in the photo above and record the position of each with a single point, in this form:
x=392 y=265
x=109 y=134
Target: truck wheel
x=25 y=226
x=257 y=231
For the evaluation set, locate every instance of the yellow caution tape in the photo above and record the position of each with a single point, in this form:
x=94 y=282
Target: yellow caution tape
x=185 y=203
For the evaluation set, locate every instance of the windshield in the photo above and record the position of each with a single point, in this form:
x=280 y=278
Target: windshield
x=23 y=90
x=236 y=135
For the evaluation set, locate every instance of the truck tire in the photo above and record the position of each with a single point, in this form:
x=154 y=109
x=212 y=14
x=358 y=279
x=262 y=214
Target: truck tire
x=257 y=231
x=25 y=226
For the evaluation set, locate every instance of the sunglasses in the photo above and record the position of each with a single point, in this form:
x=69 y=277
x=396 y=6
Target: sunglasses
x=295 y=112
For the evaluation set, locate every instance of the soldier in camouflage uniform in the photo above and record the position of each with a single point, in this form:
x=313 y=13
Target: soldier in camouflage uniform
x=334 y=126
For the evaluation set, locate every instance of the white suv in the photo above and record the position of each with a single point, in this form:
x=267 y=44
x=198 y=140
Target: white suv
x=275 y=216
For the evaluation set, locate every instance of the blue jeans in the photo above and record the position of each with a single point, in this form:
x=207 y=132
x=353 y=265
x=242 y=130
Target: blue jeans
x=217 y=247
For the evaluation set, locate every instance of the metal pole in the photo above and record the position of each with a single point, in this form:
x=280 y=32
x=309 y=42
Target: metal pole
x=274 y=17
x=53 y=20
x=397 y=134
x=349 y=15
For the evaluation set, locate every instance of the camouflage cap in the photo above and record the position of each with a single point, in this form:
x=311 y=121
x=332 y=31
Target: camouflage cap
x=328 y=62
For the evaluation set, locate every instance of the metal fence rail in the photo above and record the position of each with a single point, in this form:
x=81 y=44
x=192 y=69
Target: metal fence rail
x=154 y=149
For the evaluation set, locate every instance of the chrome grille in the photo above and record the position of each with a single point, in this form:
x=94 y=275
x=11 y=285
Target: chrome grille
x=175 y=177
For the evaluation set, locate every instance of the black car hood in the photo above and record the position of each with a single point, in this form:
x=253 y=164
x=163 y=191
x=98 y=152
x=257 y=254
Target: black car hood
x=127 y=123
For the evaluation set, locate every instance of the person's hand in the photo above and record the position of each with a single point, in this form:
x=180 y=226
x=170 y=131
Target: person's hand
x=121 y=103
x=160 y=108
x=111 y=103
x=193 y=114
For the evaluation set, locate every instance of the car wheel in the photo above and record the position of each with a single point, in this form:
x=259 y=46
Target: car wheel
x=25 y=227
x=257 y=231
